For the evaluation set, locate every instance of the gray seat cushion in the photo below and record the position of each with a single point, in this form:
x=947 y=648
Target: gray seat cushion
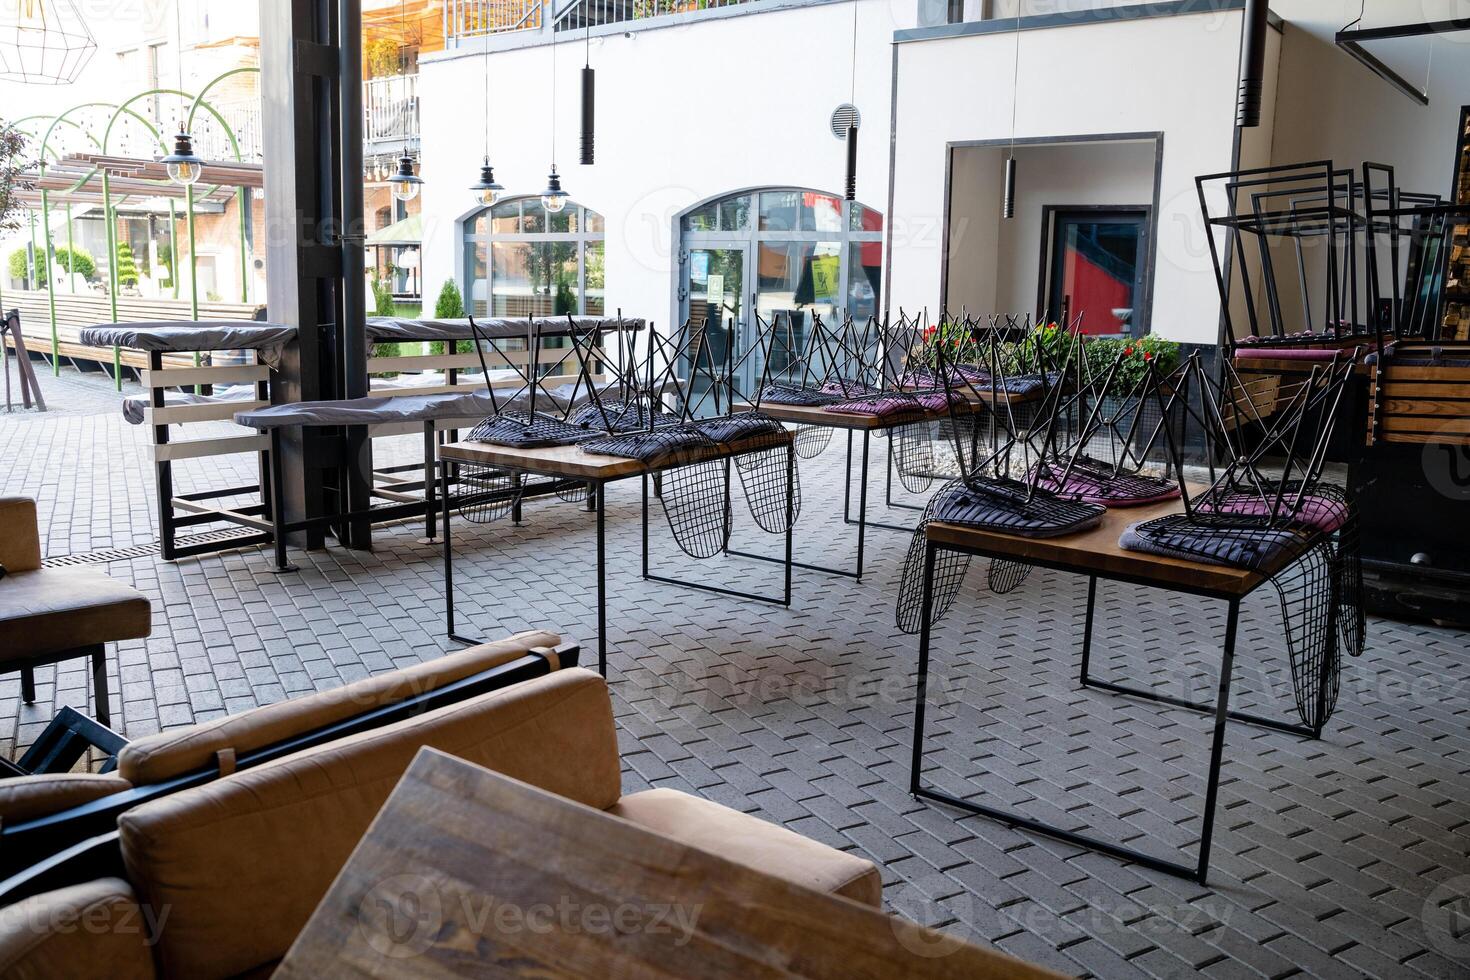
x=371 y=410
x=53 y=610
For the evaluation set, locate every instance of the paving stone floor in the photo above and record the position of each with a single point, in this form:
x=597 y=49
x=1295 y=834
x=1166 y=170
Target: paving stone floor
x=1344 y=857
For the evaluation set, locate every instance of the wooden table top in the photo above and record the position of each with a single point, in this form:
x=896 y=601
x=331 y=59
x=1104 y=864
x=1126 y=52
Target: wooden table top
x=465 y=872
x=1096 y=552
x=572 y=463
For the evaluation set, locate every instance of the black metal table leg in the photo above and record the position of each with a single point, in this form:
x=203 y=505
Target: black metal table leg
x=429 y=484
x=1087 y=627
x=926 y=613
x=1217 y=746
x=449 y=562
x=1197 y=871
x=602 y=571
x=790 y=511
x=278 y=495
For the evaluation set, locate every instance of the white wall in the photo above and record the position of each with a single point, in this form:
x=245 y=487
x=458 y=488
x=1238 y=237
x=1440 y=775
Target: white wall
x=683 y=114
x=1175 y=75
x=1334 y=108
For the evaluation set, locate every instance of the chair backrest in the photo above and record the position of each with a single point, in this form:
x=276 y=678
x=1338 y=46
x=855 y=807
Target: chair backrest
x=242 y=862
x=92 y=930
x=20 y=539
x=62 y=810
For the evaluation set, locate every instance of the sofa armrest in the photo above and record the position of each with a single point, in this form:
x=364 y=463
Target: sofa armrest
x=20 y=538
x=96 y=929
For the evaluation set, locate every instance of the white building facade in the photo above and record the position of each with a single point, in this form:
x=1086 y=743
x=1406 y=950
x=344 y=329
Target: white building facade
x=718 y=179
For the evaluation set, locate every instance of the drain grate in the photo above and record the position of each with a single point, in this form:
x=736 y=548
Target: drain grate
x=137 y=551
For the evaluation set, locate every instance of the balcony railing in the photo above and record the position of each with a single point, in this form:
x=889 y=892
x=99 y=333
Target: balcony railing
x=390 y=108
x=477 y=18
x=595 y=13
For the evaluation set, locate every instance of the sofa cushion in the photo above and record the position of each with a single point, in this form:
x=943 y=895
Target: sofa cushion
x=168 y=754
x=96 y=929
x=20 y=540
x=28 y=797
x=54 y=609
x=241 y=862
x=753 y=842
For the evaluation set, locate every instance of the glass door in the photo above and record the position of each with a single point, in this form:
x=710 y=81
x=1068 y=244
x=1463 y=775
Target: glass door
x=794 y=282
x=714 y=292
x=1097 y=268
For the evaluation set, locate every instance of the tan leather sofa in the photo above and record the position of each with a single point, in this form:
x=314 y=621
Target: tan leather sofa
x=49 y=614
x=167 y=755
x=239 y=864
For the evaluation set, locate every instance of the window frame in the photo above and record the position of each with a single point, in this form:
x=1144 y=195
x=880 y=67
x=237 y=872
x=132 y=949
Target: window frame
x=470 y=240
x=1051 y=217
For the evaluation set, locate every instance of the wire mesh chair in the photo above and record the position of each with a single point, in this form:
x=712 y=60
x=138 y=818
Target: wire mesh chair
x=1288 y=526
x=985 y=494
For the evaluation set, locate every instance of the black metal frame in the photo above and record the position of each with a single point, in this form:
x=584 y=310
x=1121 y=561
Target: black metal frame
x=68 y=735
x=597 y=501
x=62 y=848
x=1220 y=710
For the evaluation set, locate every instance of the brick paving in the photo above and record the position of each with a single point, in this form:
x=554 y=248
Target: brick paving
x=1341 y=857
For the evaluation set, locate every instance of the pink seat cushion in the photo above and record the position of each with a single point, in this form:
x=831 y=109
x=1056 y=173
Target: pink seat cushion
x=1259 y=353
x=1095 y=487
x=1323 y=513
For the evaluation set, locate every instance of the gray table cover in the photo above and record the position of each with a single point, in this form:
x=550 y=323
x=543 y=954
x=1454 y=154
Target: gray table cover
x=134 y=406
x=370 y=411
x=388 y=329
x=187 y=336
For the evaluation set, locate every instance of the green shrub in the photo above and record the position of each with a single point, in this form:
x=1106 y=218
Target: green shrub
x=20 y=265
x=78 y=260
x=1137 y=354
x=127 y=266
x=450 y=306
x=382 y=298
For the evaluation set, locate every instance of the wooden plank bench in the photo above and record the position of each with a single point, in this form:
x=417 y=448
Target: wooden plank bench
x=1421 y=402
x=77 y=311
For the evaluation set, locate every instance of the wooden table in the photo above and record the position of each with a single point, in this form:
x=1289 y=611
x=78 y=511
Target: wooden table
x=468 y=873
x=571 y=463
x=1096 y=554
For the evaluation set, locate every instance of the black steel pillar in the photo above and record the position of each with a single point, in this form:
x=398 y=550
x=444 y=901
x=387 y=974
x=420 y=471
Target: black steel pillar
x=311 y=109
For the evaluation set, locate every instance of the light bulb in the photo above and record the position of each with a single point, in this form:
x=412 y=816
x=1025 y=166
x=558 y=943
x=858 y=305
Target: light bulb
x=184 y=172
x=554 y=203
x=404 y=190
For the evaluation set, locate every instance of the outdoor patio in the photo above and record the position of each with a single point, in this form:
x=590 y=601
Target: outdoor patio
x=1328 y=855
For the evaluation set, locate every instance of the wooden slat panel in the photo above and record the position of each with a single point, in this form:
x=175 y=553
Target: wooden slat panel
x=1425 y=406
x=1423 y=389
x=1420 y=438
x=207 y=412
x=225 y=446
x=215 y=374
x=1409 y=372
x=1400 y=423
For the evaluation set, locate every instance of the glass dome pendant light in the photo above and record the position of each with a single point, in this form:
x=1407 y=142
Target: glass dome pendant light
x=486 y=190
x=553 y=199
x=182 y=166
x=404 y=184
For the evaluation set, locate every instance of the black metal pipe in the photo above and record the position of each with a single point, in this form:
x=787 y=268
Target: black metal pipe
x=1252 y=64
x=1008 y=200
x=589 y=87
x=852 y=163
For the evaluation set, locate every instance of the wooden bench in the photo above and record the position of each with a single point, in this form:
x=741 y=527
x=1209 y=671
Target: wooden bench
x=76 y=311
x=1415 y=401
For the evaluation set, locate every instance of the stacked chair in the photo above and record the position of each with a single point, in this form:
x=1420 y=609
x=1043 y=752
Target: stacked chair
x=1268 y=510
x=673 y=406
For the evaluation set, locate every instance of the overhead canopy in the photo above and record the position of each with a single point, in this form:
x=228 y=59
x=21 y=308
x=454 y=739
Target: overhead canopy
x=409 y=231
x=77 y=178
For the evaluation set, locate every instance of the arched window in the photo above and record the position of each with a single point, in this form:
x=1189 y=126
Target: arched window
x=780 y=251
x=522 y=261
